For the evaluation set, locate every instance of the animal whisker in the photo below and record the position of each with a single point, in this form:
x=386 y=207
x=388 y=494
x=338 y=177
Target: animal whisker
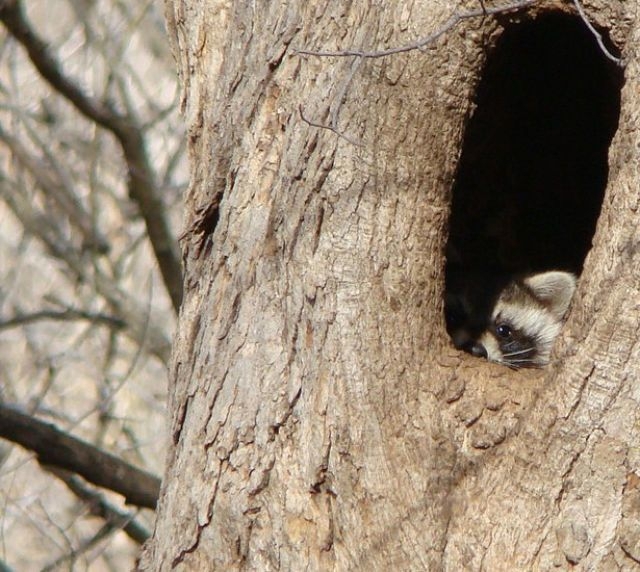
x=518 y=326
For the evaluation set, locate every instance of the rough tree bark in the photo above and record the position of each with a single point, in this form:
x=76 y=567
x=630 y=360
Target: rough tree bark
x=320 y=418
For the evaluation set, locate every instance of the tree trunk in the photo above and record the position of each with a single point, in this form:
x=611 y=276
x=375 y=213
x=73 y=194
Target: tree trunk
x=321 y=420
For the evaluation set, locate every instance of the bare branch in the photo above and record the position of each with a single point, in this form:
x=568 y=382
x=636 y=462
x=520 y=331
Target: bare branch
x=54 y=187
x=143 y=327
x=84 y=547
x=449 y=25
x=101 y=508
x=141 y=182
x=597 y=35
x=63 y=316
x=41 y=227
x=331 y=128
x=56 y=448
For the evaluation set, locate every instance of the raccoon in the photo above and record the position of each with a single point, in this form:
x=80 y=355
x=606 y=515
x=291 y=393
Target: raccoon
x=513 y=322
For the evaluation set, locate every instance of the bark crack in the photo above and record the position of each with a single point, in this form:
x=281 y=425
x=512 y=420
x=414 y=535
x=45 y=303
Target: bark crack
x=277 y=425
x=580 y=393
x=180 y=418
x=318 y=484
x=186 y=551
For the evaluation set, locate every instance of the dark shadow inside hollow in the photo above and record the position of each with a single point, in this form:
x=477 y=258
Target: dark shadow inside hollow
x=533 y=168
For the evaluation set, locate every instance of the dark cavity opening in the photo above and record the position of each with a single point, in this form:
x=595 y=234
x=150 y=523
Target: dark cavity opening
x=533 y=168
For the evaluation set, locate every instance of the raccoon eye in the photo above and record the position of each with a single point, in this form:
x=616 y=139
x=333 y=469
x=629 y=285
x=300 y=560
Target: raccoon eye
x=504 y=331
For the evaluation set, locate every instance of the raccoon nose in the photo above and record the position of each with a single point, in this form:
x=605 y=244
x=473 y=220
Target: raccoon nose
x=476 y=349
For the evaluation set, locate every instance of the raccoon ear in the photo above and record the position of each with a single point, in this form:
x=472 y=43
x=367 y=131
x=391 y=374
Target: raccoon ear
x=554 y=289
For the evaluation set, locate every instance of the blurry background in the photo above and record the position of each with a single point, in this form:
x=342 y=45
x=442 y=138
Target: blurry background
x=92 y=169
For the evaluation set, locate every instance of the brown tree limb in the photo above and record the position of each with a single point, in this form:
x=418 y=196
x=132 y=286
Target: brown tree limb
x=141 y=185
x=101 y=508
x=66 y=315
x=58 y=449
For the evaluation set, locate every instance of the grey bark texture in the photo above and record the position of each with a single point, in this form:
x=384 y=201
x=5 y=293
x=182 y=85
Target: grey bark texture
x=320 y=418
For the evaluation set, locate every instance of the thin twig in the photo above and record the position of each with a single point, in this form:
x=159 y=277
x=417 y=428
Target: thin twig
x=329 y=127
x=142 y=326
x=141 y=180
x=333 y=125
x=50 y=179
x=342 y=94
x=75 y=553
x=451 y=23
x=597 y=35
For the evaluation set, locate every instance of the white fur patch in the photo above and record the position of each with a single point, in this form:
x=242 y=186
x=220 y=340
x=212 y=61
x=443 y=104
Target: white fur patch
x=535 y=322
x=494 y=353
x=554 y=288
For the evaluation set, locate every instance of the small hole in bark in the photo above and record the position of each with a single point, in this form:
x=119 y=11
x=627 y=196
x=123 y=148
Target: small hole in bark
x=533 y=169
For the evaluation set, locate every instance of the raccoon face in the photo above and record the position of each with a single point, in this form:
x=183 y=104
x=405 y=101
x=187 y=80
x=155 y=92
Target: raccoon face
x=519 y=324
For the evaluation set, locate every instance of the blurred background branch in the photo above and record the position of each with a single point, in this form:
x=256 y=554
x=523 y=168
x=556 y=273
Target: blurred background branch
x=127 y=131
x=92 y=168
